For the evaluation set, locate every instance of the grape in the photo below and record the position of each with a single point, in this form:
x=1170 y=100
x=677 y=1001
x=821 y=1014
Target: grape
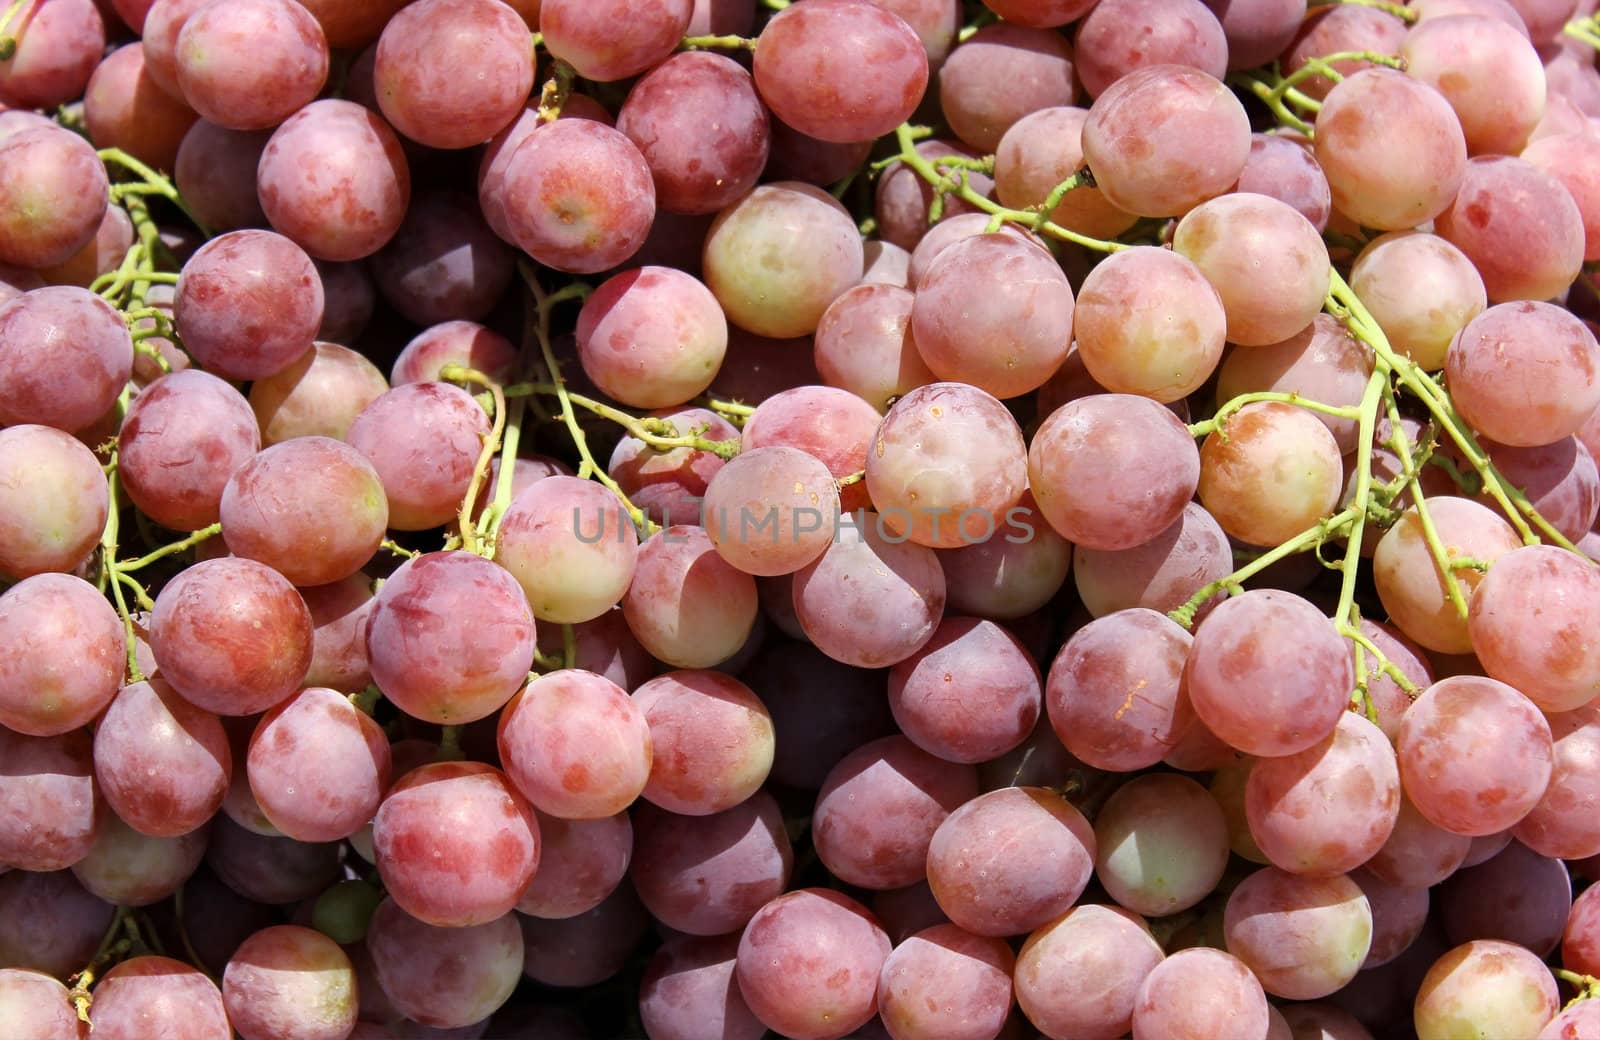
x=604 y=646
x=1229 y=785
x=451 y=637
x=879 y=808
x=688 y=992
x=418 y=69
x=318 y=766
x=1268 y=673
x=57 y=46
x=688 y=606
x=969 y=695
x=1427 y=10
x=132 y=869
x=65 y=654
x=1120 y=36
x=577 y=196
x=444 y=264
x=1042 y=14
x=215 y=171
x=1333 y=31
x=771 y=510
x=1519 y=226
x=946 y=466
x=652 y=337
x=463 y=343
x=903 y=912
x=698 y=122
x=339 y=614
x=902 y=199
x=1270 y=471
x=352 y=23
x=1105 y=951
x=318 y=395
x=1113 y=694
x=1475 y=755
x=821 y=710
x=444 y=977
x=1391 y=147
x=1322 y=362
x=1519 y=896
x=1112 y=471
x=575 y=745
x=1008 y=576
x=53 y=194
x=124 y=108
x=37 y=1006
x=1579 y=949
x=948 y=983
x=1559 y=479
x=793 y=156
x=99 y=257
x=1149 y=323
x=1545 y=658
x=789 y=987
x=1001 y=74
x=1284 y=168
x=1417 y=853
x=1458 y=56
x=712 y=739
x=424 y=440
x=1160 y=574
x=1569 y=158
x=1164 y=138
x=1563 y=823
x=871 y=599
x=1485 y=847
x=1005 y=888
x=886 y=264
x=993 y=312
x=670 y=485
x=581 y=862
x=251 y=64
x=152 y=995
x=269 y=869
x=829 y=424
x=588 y=949
x=290 y=982
x=1408 y=580
x=161 y=763
x=47 y=800
x=570 y=545
x=841 y=70
x=1575 y=1022
x=1200 y=994
x=777 y=257
x=1399 y=915
x=232 y=636
x=356 y=199
x=249 y=303
x=613 y=40
x=1354 y=768
x=708 y=875
x=1038 y=152
x=163 y=24
x=1420 y=289
x=1303 y=937
x=66 y=355
x=48 y=923
x=1485 y=987
x=1489 y=365
x=349 y=299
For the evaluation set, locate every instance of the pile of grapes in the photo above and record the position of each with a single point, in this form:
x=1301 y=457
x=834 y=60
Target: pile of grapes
x=716 y=519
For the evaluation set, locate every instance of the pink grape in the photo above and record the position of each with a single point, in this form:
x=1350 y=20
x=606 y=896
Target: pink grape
x=1518 y=895
x=318 y=766
x=1107 y=951
x=1044 y=14
x=357 y=199
x=37 y=1006
x=289 y=981
x=1518 y=225
x=1391 y=147
x=1399 y=915
x=1303 y=937
x=1560 y=480
x=1033 y=877
x=587 y=949
x=249 y=303
x=1284 y=168
x=65 y=655
x=879 y=808
x=1417 y=853
x=652 y=337
x=1270 y=471
x=712 y=741
x=687 y=605
x=444 y=977
x=57 y=46
x=795 y=992
x=1203 y=994
x=604 y=646
x=47 y=800
x=161 y=763
x=771 y=510
x=571 y=547
x=1119 y=36
x=318 y=395
x=946 y=982
x=830 y=424
x=424 y=440
x=124 y=108
x=339 y=614
x=1036 y=154
x=708 y=875
x=1488 y=368
x=902 y=199
x=1420 y=289
x=575 y=745
x=215 y=172
x=1322 y=362
x=670 y=485
x=1563 y=823
x=1268 y=673
x=149 y=993
x=1569 y=157
x=1580 y=942
x=1546 y=658
x=1012 y=573
x=418 y=71
x=444 y=263
x=971 y=694
x=132 y=869
x=1164 y=138
x=53 y=196
x=1161 y=844
x=581 y=863
x=351 y=24
x=232 y=636
x=463 y=343
x=688 y=991
x=66 y=356
x=613 y=40
x=1333 y=31
x=425 y=654
x=1459 y=56
x=808 y=55
x=864 y=344
x=1386 y=697
x=267 y=869
x=1160 y=574
x=1408 y=580
x=1001 y=74
x=181 y=442
x=1114 y=695
x=821 y=710
x=50 y=924
x=254 y=85
x=1488 y=986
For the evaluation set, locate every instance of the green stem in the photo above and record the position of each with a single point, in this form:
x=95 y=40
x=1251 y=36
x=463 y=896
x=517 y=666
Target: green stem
x=660 y=434
x=1400 y=11
x=1217 y=421
x=449 y=745
x=156 y=183
x=108 y=562
x=1274 y=102
x=569 y=647
x=367 y=700
x=491 y=445
x=8 y=42
x=730 y=42
x=193 y=539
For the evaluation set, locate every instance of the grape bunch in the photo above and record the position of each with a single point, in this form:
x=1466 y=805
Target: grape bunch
x=717 y=519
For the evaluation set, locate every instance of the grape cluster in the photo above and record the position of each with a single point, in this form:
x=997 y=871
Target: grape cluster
x=708 y=519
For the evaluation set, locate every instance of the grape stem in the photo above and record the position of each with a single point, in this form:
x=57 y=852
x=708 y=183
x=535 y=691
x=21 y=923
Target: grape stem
x=367 y=700
x=191 y=540
x=569 y=647
x=729 y=42
x=945 y=184
x=8 y=42
x=150 y=182
x=555 y=90
x=110 y=569
x=1405 y=14
x=659 y=434
x=491 y=445
x=1586 y=29
x=1218 y=422
x=1588 y=986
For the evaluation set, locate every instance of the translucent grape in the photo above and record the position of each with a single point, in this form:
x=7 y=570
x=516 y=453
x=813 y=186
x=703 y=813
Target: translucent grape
x=712 y=740
x=56 y=47
x=1160 y=574
x=1408 y=580
x=124 y=108
x=289 y=981
x=1203 y=994
x=65 y=655
x=652 y=337
x=319 y=394
x=149 y=993
x=424 y=440
x=1460 y=56
x=1486 y=986
x=1563 y=823
x=571 y=546
x=771 y=510
x=1106 y=951
x=1161 y=844
x=1269 y=472
x=1528 y=619
x=132 y=869
x=1303 y=937
x=318 y=766
x=53 y=196
x=946 y=982
x=688 y=991
x=827 y=423
x=575 y=745
x=1420 y=289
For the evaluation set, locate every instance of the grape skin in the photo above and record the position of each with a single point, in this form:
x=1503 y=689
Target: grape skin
x=1489 y=986
x=248 y=304
x=1563 y=823
x=688 y=991
x=53 y=196
x=161 y=764
x=575 y=745
x=946 y=982
x=571 y=547
x=1203 y=994
x=149 y=993
x=581 y=863
x=1161 y=844
x=48 y=922
x=289 y=981
x=444 y=977
x=712 y=738
x=65 y=355
x=424 y=440
x=124 y=108
x=1303 y=937
x=319 y=395
x=1107 y=951
x=65 y=655
x=687 y=605
x=318 y=766
x=47 y=800
x=708 y=875
x=1518 y=225
x=251 y=64
x=970 y=695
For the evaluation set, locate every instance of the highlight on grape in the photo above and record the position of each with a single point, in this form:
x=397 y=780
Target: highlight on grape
x=814 y=519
